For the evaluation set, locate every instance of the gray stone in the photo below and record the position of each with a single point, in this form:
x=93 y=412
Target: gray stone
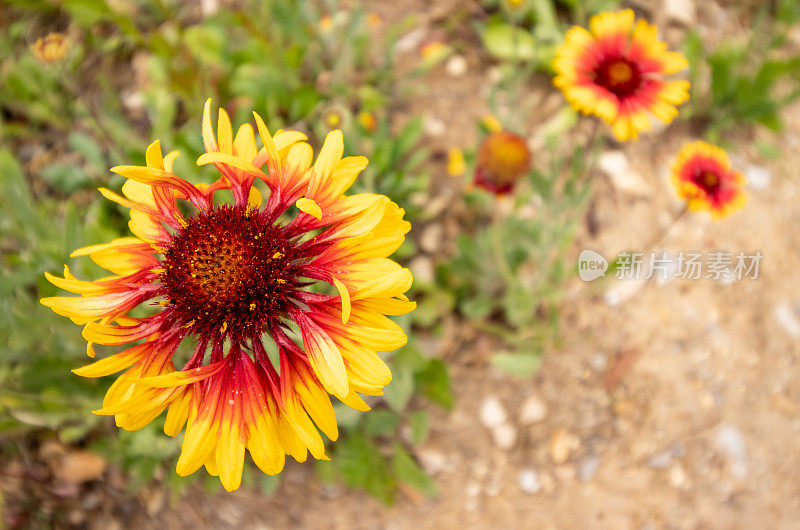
x=588 y=467
x=729 y=440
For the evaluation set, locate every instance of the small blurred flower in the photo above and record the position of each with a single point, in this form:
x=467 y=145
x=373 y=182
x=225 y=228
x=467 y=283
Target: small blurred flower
x=491 y=123
x=433 y=52
x=456 y=165
x=334 y=118
x=433 y=49
x=514 y=5
x=702 y=176
x=615 y=72
x=503 y=158
x=326 y=23
x=367 y=121
x=374 y=20
x=51 y=48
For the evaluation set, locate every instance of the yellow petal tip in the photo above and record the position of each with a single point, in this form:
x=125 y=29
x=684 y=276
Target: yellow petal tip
x=345 y=297
x=310 y=207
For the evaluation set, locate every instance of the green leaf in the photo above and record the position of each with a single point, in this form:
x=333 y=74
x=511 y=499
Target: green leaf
x=346 y=417
x=420 y=427
x=519 y=364
x=435 y=383
x=86 y=12
x=380 y=422
x=16 y=199
x=303 y=101
x=326 y=471
x=88 y=148
x=398 y=393
x=206 y=43
x=508 y=42
x=362 y=466
x=477 y=306
x=519 y=305
x=410 y=473
x=66 y=178
x=269 y=484
x=431 y=307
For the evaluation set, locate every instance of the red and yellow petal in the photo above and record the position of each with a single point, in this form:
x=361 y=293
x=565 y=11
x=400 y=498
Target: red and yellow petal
x=626 y=104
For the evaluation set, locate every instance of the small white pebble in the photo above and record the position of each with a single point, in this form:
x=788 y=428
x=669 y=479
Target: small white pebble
x=533 y=410
x=758 y=177
x=434 y=126
x=529 y=481
x=787 y=318
x=457 y=66
x=505 y=436
x=493 y=414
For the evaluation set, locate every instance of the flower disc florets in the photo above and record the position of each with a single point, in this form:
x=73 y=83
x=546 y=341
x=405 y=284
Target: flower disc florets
x=231 y=269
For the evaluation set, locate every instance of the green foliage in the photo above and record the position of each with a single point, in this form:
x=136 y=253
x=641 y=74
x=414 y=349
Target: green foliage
x=395 y=167
x=38 y=347
x=508 y=42
x=747 y=82
x=528 y=31
x=508 y=275
x=361 y=465
x=142 y=454
x=408 y=471
x=375 y=461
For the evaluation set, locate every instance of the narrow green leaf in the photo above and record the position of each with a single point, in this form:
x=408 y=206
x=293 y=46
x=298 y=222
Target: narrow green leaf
x=410 y=473
x=519 y=364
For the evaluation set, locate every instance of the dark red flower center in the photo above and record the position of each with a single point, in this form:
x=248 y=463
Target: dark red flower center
x=708 y=181
x=230 y=271
x=619 y=76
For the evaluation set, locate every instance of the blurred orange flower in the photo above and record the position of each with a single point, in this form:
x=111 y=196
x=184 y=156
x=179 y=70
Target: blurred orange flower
x=702 y=176
x=432 y=49
x=326 y=23
x=51 y=48
x=374 y=20
x=503 y=158
x=367 y=121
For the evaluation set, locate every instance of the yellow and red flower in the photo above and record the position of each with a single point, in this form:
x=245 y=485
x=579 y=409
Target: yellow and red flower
x=285 y=299
x=503 y=158
x=52 y=48
x=367 y=121
x=615 y=71
x=703 y=177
